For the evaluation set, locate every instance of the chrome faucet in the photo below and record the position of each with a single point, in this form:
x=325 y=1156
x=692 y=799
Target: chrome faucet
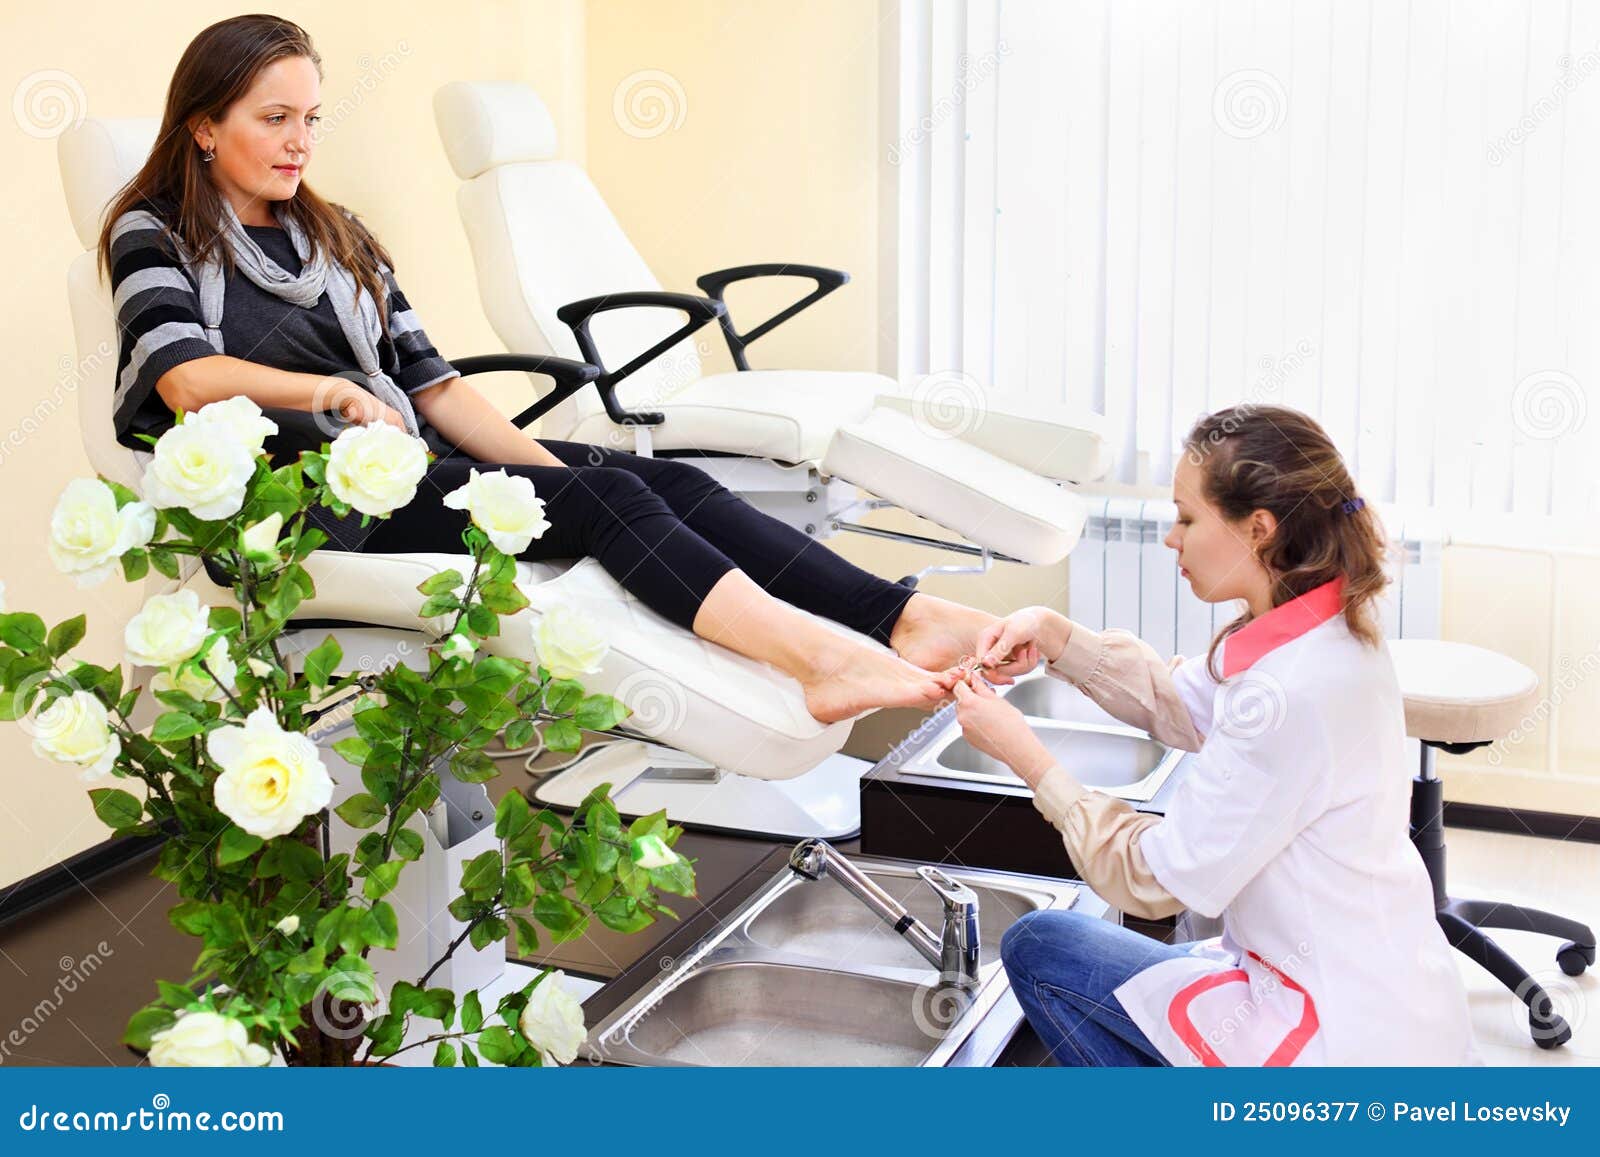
x=955 y=952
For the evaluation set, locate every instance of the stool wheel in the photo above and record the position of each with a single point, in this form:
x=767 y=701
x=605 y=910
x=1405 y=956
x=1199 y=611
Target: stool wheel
x=1550 y=1031
x=1574 y=957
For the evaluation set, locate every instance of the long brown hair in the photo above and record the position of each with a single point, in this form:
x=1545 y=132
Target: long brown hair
x=220 y=66
x=1276 y=459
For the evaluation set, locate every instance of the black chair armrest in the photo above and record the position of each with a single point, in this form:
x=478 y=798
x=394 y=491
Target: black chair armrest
x=713 y=285
x=577 y=315
x=569 y=377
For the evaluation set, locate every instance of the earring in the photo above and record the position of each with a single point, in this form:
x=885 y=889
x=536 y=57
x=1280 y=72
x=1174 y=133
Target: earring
x=209 y=155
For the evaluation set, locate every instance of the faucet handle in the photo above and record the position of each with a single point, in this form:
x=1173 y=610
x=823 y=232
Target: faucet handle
x=956 y=895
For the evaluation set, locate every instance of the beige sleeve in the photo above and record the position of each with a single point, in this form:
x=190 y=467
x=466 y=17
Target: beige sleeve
x=1124 y=675
x=1102 y=834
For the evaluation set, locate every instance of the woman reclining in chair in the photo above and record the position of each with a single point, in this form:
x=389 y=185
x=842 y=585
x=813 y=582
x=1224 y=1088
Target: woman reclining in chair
x=225 y=185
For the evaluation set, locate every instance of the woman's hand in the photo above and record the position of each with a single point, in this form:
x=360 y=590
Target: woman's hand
x=1014 y=645
x=362 y=407
x=996 y=728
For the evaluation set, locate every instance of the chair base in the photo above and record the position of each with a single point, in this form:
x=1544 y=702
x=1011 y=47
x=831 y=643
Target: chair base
x=645 y=778
x=1463 y=921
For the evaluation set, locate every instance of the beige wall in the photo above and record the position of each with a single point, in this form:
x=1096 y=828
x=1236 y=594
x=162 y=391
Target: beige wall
x=381 y=157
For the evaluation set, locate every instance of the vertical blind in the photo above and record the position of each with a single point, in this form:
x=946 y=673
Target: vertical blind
x=1383 y=212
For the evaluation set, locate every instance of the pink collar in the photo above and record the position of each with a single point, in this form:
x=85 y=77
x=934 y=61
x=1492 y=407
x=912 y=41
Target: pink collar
x=1281 y=625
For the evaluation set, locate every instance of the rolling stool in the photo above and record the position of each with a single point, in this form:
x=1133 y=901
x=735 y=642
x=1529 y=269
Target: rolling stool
x=1459 y=697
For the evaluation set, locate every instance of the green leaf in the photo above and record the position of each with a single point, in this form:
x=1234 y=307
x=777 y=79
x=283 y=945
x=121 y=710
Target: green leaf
x=498 y=1045
x=519 y=734
x=519 y=886
x=117 y=809
x=444 y=1056
x=469 y=1059
x=408 y=844
x=443 y=582
x=382 y=879
x=236 y=844
x=381 y=927
x=23 y=630
x=557 y=913
x=502 y=598
x=486 y=932
x=622 y=914
x=563 y=695
x=354 y=750
x=361 y=810
x=290 y=859
x=174 y=727
x=164 y=561
x=473 y=767
x=600 y=713
x=436 y=605
x=66 y=635
x=483 y=622
x=135 y=565
x=144 y=1024
x=482 y=874
x=471 y=1012
x=527 y=935
x=675 y=878
x=322 y=661
x=563 y=735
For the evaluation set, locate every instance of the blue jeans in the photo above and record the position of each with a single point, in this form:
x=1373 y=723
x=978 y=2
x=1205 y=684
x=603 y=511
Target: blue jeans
x=1064 y=967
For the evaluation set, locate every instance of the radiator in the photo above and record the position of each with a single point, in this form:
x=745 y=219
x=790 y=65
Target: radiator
x=1121 y=575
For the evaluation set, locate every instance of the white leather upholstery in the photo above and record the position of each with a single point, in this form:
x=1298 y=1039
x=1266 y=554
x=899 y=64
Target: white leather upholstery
x=734 y=712
x=492 y=123
x=790 y=415
x=970 y=490
x=740 y=715
x=1459 y=693
x=1053 y=441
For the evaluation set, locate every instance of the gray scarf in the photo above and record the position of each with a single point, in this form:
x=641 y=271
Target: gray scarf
x=357 y=312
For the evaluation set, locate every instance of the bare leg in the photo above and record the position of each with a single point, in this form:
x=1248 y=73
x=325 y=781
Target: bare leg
x=842 y=678
x=935 y=633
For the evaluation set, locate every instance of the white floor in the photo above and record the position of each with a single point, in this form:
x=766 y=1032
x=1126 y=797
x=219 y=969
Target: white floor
x=1560 y=877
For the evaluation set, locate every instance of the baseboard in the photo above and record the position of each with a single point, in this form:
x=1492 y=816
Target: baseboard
x=55 y=883
x=1522 y=822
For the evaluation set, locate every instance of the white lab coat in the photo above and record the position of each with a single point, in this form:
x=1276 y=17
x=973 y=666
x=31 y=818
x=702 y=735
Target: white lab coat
x=1291 y=823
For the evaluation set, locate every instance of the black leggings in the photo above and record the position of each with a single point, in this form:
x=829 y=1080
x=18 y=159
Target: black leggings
x=662 y=528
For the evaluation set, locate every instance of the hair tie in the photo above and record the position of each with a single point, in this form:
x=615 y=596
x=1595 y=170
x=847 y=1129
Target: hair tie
x=1351 y=505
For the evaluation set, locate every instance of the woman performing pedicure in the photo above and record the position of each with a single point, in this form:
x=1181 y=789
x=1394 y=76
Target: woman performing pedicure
x=308 y=292
x=1291 y=823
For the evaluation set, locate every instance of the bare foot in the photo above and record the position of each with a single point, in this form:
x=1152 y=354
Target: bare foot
x=857 y=679
x=935 y=633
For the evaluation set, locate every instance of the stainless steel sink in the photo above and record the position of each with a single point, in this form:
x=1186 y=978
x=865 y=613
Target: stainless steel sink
x=1099 y=750
x=804 y=974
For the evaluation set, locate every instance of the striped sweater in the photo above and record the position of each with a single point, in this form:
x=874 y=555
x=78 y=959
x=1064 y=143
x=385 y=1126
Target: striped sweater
x=159 y=326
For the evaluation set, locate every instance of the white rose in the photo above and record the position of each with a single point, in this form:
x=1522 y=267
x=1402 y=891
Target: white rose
x=205 y=1040
x=74 y=729
x=259 y=668
x=457 y=646
x=88 y=534
x=260 y=542
x=503 y=506
x=271 y=778
x=567 y=643
x=237 y=418
x=375 y=468
x=289 y=925
x=553 y=1021
x=198 y=683
x=168 y=630
x=196 y=469
x=652 y=852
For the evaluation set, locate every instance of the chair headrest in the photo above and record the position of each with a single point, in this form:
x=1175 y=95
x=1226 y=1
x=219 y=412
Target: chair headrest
x=488 y=123
x=97 y=158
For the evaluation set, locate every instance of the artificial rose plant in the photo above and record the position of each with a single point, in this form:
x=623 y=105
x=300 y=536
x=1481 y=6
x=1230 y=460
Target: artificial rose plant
x=226 y=771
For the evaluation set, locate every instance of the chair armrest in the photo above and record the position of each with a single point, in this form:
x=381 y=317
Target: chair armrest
x=569 y=377
x=577 y=315
x=713 y=285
